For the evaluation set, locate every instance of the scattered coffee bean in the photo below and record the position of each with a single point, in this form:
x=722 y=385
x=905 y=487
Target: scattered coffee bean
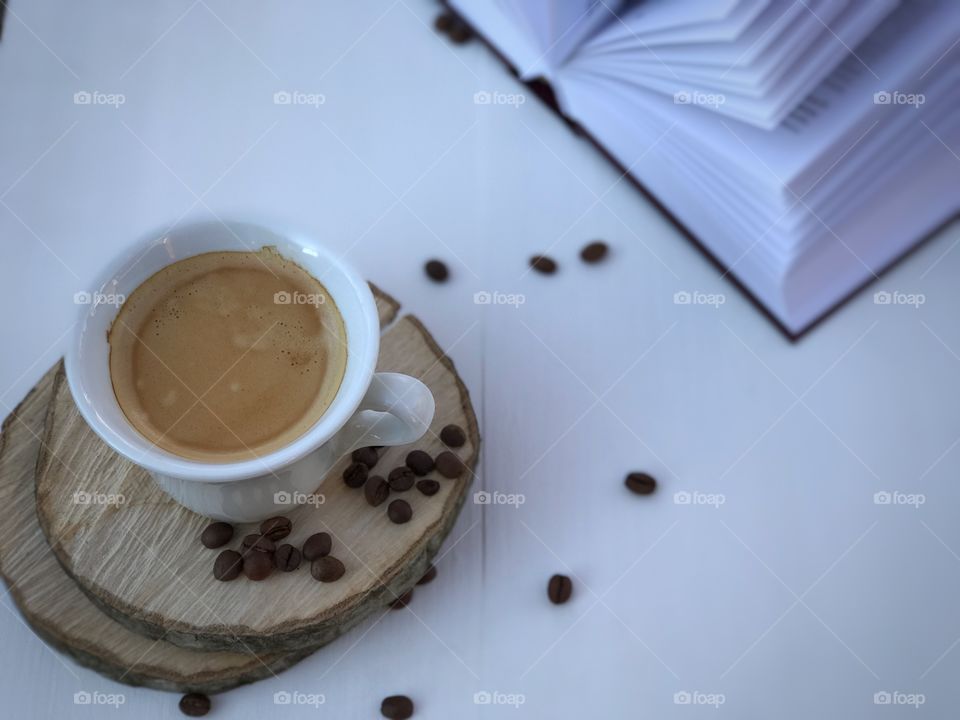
x=366 y=455
x=402 y=601
x=428 y=576
x=228 y=565
x=286 y=558
x=420 y=462
x=276 y=528
x=449 y=465
x=259 y=543
x=543 y=264
x=397 y=707
x=376 y=490
x=399 y=511
x=194 y=705
x=453 y=436
x=428 y=487
x=317 y=545
x=559 y=589
x=594 y=252
x=401 y=479
x=356 y=475
x=443 y=22
x=327 y=569
x=436 y=270
x=216 y=535
x=257 y=565
x=640 y=483
x=459 y=32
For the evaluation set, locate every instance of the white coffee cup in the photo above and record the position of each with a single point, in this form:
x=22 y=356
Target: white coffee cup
x=369 y=408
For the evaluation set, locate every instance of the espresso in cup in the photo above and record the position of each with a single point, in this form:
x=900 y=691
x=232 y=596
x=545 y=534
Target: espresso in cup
x=227 y=356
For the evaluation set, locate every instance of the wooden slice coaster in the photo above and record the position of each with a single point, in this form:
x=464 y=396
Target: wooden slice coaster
x=62 y=615
x=142 y=562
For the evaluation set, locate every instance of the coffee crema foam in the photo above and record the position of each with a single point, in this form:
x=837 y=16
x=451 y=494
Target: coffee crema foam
x=227 y=356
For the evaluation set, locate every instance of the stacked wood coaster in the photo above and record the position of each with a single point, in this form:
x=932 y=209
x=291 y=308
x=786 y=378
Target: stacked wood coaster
x=103 y=564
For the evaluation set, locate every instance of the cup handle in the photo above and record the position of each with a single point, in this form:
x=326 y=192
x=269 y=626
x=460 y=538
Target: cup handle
x=397 y=410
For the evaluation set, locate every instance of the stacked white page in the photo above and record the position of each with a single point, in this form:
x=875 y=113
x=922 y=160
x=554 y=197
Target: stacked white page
x=779 y=133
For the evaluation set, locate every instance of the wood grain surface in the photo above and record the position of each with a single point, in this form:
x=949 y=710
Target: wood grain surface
x=62 y=615
x=141 y=561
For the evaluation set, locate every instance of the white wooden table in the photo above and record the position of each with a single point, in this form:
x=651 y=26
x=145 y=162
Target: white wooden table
x=781 y=589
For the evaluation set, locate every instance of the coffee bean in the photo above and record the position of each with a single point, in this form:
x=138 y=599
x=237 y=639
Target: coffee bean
x=428 y=576
x=428 y=487
x=436 y=270
x=402 y=601
x=399 y=511
x=640 y=483
x=453 y=436
x=397 y=707
x=216 y=535
x=366 y=455
x=194 y=705
x=257 y=565
x=459 y=32
x=420 y=462
x=401 y=479
x=376 y=490
x=276 y=528
x=356 y=475
x=286 y=558
x=228 y=565
x=317 y=545
x=443 y=22
x=259 y=543
x=449 y=465
x=594 y=252
x=327 y=569
x=559 y=589
x=543 y=264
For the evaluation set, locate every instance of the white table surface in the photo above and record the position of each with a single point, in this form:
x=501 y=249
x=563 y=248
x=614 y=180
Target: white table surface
x=798 y=597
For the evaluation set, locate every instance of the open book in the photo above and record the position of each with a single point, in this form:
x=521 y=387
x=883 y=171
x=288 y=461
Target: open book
x=806 y=144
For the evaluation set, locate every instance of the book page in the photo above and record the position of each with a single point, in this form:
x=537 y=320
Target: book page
x=765 y=94
x=661 y=22
x=765 y=32
x=511 y=40
x=775 y=39
x=838 y=112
